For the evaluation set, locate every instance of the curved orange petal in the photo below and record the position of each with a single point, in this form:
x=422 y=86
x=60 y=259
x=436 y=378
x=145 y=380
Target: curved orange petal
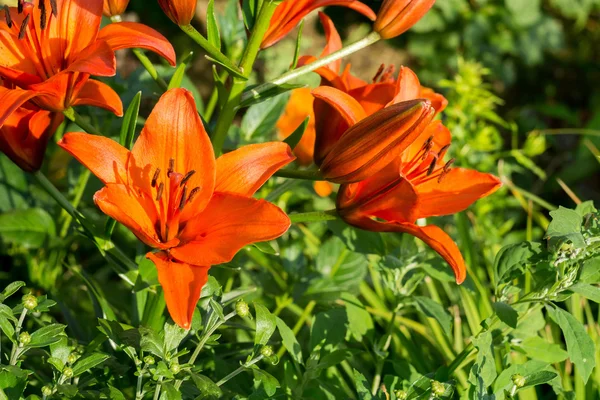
x=76 y=28
x=408 y=86
x=397 y=16
x=298 y=108
x=182 y=285
x=438 y=101
x=245 y=170
x=334 y=41
x=347 y=106
x=106 y=158
x=124 y=35
x=174 y=131
x=229 y=223
x=179 y=11
x=14 y=55
x=120 y=203
x=98 y=94
x=11 y=100
x=441 y=138
x=375 y=96
x=97 y=59
x=456 y=191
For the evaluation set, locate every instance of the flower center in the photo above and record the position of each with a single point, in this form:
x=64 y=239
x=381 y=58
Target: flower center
x=427 y=164
x=26 y=7
x=170 y=198
x=384 y=74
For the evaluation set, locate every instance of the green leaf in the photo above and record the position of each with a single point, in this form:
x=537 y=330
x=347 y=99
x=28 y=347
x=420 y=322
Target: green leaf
x=565 y=227
x=14 y=190
x=12 y=382
x=266 y=248
x=297 y=49
x=207 y=387
x=585 y=208
x=252 y=97
x=289 y=341
x=537 y=348
x=588 y=291
x=151 y=342
x=170 y=392
x=29 y=228
x=265 y=325
x=115 y=394
x=260 y=119
x=130 y=121
x=212 y=28
x=269 y=382
x=361 y=386
x=7 y=327
x=88 y=362
x=173 y=336
x=524 y=13
x=360 y=322
x=61 y=350
x=539 y=378
x=357 y=240
x=513 y=258
x=580 y=346
x=217 y=308
x=328 y=328
x=434 y=310
x=483 y=372
x=506 y=313
x=179 y=74
x=296 y=136
x=47 y=335
x=11 y=289
x=590 y=271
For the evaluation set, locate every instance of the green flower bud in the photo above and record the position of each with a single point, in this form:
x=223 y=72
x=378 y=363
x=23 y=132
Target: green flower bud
x=29 y=301
x=72 y=358
x=175 y=368
x=149 y=360
x=267 y=351
x=401 y=394
x=518 y=380
x=24 y=339
x=67 y=372
x=46 y=390
x=437 y=388
x=242 y=309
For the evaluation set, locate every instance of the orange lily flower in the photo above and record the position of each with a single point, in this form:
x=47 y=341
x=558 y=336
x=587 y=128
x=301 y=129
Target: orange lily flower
x=174 y=196
x=26 y=132
x=418 y=184
x=115 y=7
x=397 y=16
x=179 y=11
x=289 y=13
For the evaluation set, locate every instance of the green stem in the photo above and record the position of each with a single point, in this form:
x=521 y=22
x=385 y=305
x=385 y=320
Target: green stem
x=239 y=83
x=157 y=390
x=79 y=189
x=147 y=64
x=71 y=114
x=309 y=175
x=214 y=99
x=305 y=314
x=381 y=360
x=212 y=51
x=240 y=369
x=373 y=37
x=314 y=216
x=14 y=354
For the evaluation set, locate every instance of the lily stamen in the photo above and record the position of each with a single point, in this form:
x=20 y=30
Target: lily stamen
x=183 y=200
x=432 y=165
x=193 y=193
x=160 y=190
x=7 y=16
x=171 y=167
x=155 y=177
x=187 y=178
x=23 y=28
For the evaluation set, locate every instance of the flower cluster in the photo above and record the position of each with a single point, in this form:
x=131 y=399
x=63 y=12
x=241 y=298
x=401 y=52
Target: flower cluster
x=380 y=141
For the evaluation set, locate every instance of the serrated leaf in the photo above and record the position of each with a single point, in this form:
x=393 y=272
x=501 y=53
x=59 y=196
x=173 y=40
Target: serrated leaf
x=328 y=328
x=585 y=208
x=483 y=372
x=173 y=336
x=539 y=378
x=212 y=28
x=434 y=310
x=565 y=227
x=29 y=228
x=88 y=362
x=506 y=313
x=46 y=335
x=361 y=386
x=151 y=342
x=580 y=346
x=265 y=325
x=12 y=382
x=360 y=322
x=289 y=341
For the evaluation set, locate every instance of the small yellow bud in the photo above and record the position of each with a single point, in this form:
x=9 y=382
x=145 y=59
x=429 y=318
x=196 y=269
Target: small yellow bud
x=46 y=390
x=518 y=380
x=67 y=372
x=437 y=388
x=24 y=339
x=267 y=351
x=149 y=360
x=29 y=301
x=401 y=394
x=242 y=309
x=175 y=368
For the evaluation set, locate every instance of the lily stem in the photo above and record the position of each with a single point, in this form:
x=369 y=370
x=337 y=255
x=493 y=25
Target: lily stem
x=368 y=40
x=309 y=175
x=240 y=369
x=239 y=83
x=314 y=216
x=147 y=64
x=72 y=115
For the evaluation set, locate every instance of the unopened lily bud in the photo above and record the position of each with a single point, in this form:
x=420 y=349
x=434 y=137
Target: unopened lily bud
x=175 y=368
x=114 y=7
x=46 y=390
x=29 y=301
x=518 y=380
x=397 y=16
x=24 y=339
x=179 y=11
x=68 y=372
x=401 y=394
x=149 y=360
x=375 y=141
x=437 y=388
x=267 y=351
x=242 y=309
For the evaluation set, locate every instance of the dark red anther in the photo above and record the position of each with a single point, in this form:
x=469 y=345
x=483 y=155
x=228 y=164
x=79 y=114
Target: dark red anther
x=171 y=167
x=155 y=177
x=54 y=8
x=160 y=190
x=20 y=6
x=379 y=72
x=443 y=150
x=23 y=29
x=183 y=199
x=43 y=19
x=449 y=164
x=432 y=165
x=7 y=16
x=193 y=193
x=187 y=177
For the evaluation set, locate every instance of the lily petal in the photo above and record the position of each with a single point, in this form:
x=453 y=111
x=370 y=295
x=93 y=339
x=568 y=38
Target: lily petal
x=174 y=131
x=456 y=191
x=229 y=223
x=246 y=169
x=408 y=86
x=11 y=100
x=334 y=41
x=182 y=284
x=97 y=59
x=125 y=35
x=106 y=158
x=76 y=28
x=98 y=94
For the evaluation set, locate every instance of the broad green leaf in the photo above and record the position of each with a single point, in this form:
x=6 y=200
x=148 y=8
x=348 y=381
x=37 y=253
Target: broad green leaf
x=170 y=392
x=590 y=271
x=328 y=328
x=269 y=382
x=539 y=378
x=357 y=240
x=362 y=386
x=504 y=382
x=212 y=28
x=434 y=310
x=265 y=325
x=14 y=191
x=11 y=289
x=207 y=387
x=513 y=258
x=537 y=348
x=7 y=322
x=12 y=382
x=580 y=346
x=47 y=335
x=506 y=313
x=173 y=336
x=88 y=362
x=360 y=322
x=565 y=227
x=260 y=119
x=289 y=341
x=588 y=291
x=29 y=228
x=266 y=248
x=151 y=342
x=587 y=207
x=483 y=372
x=115 y=394
x=61 y=350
